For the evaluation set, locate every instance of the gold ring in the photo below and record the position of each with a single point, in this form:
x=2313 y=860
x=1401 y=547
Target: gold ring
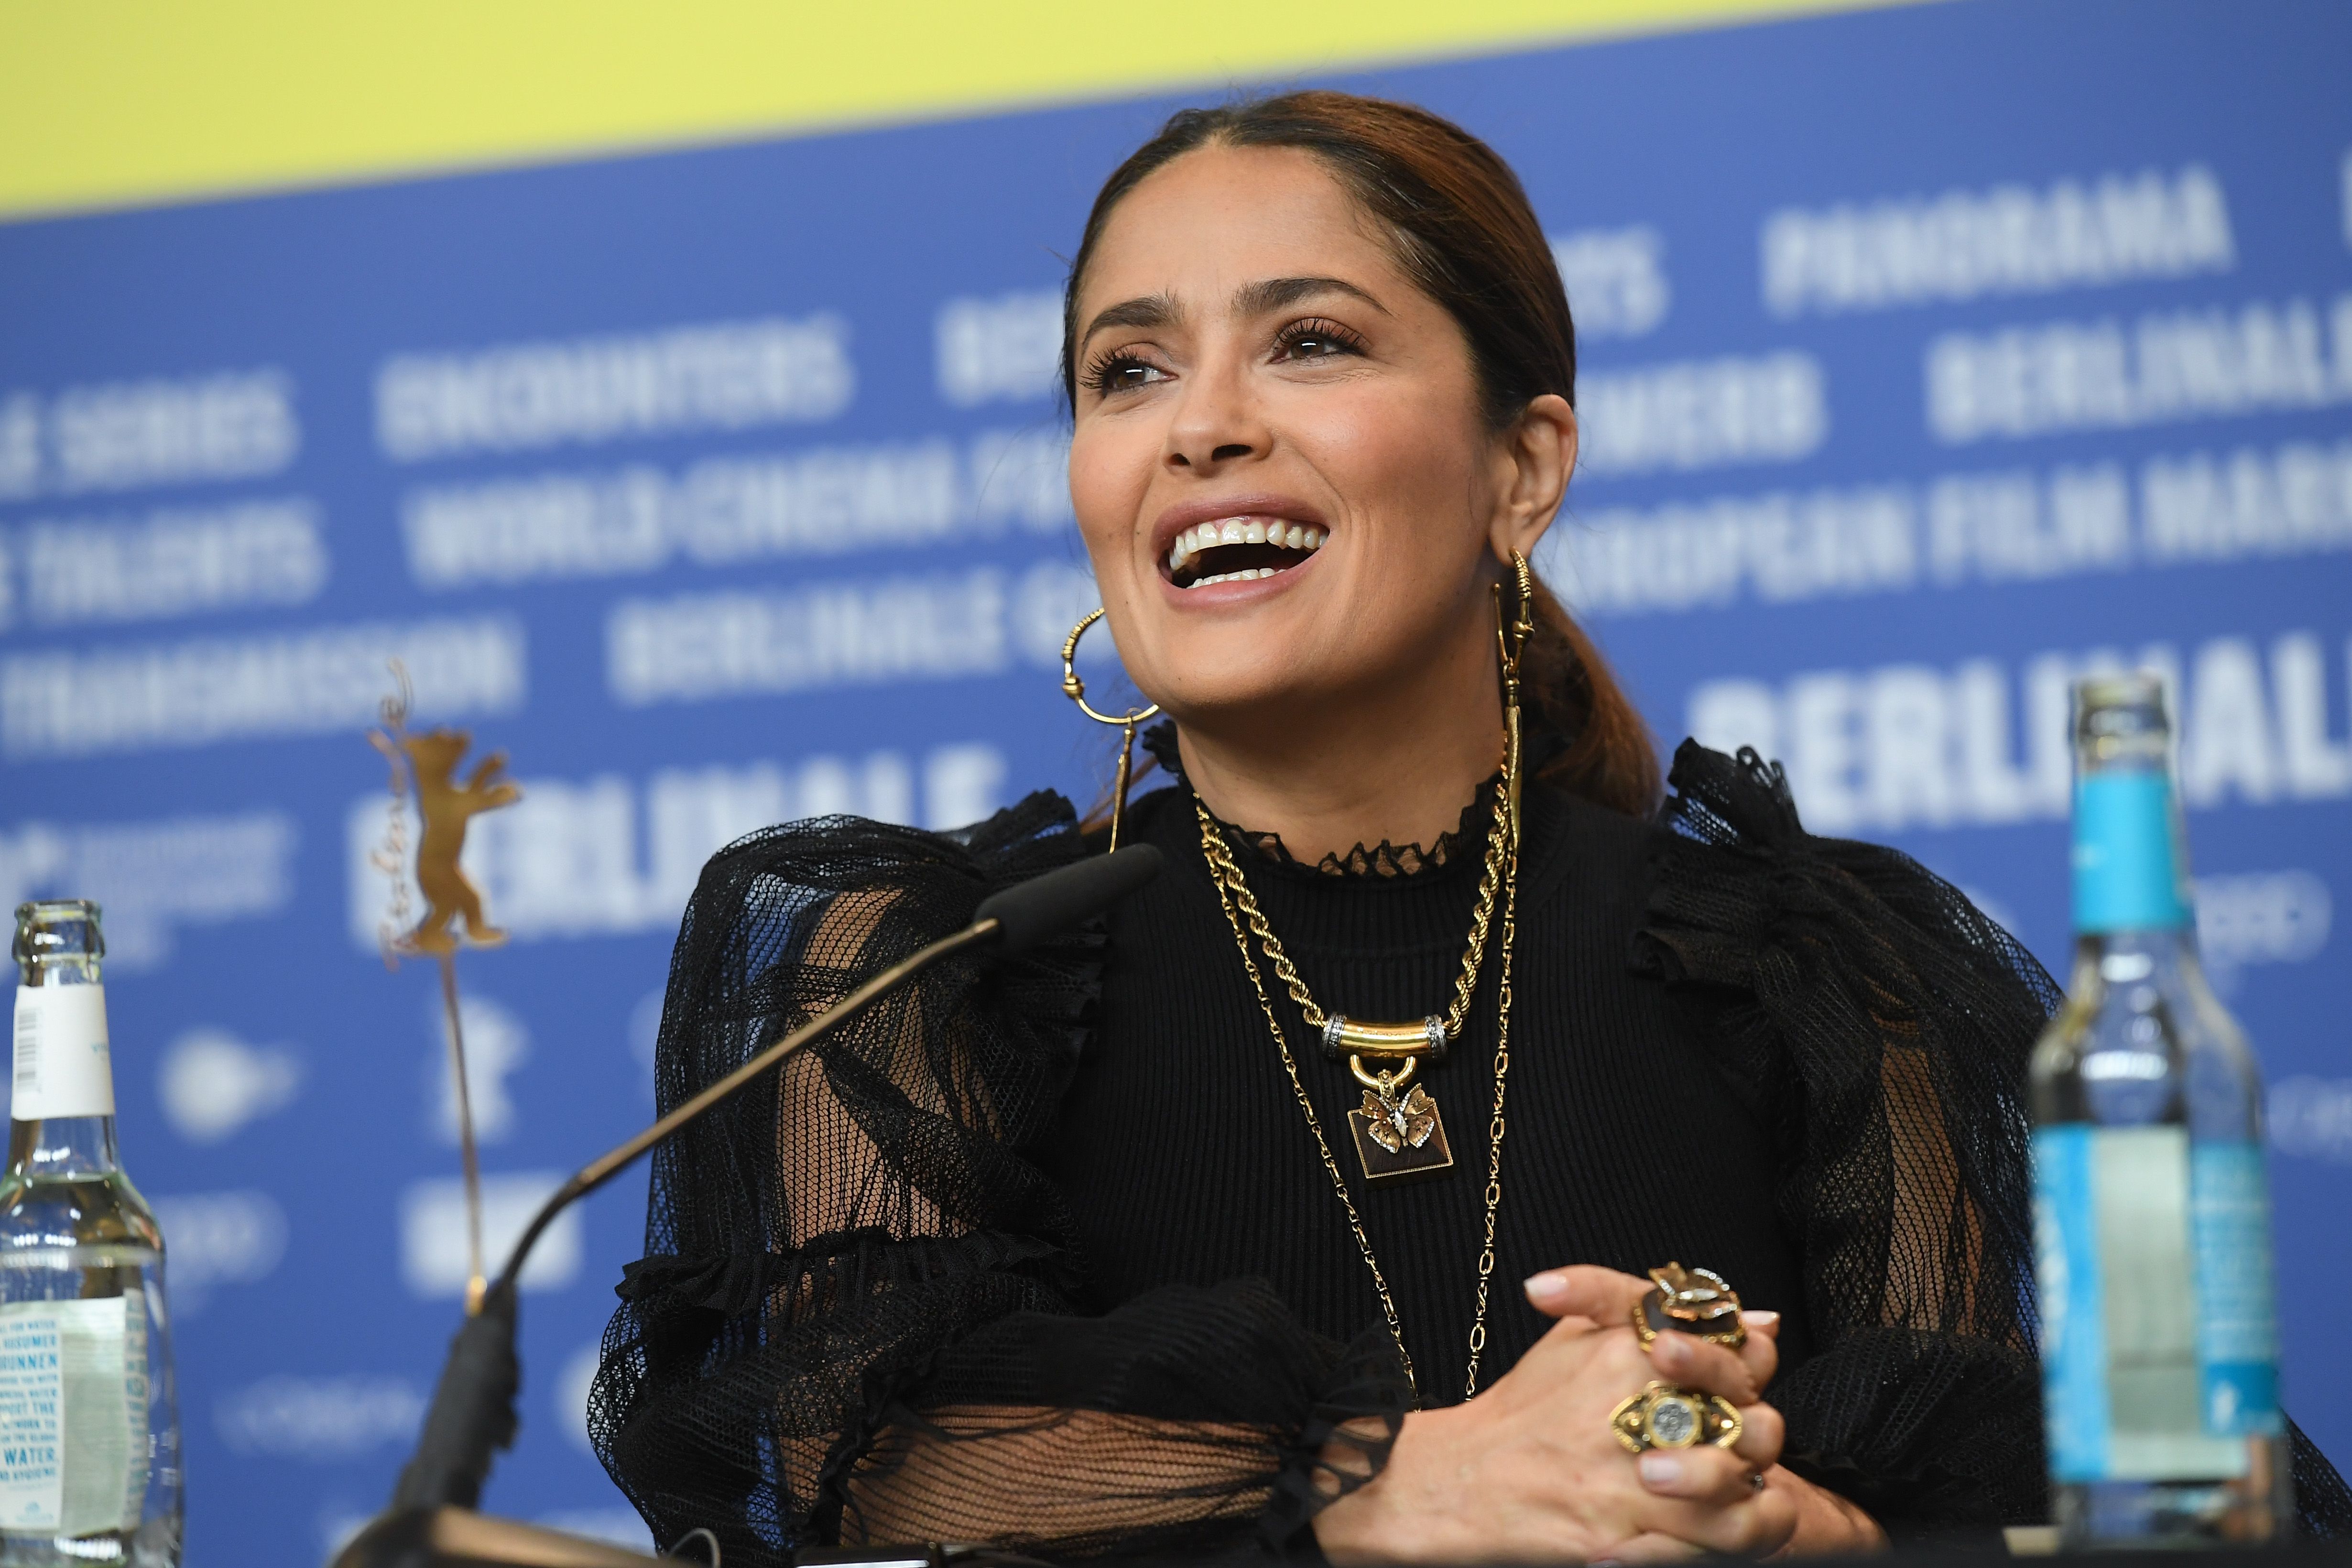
x=1664 y=1416
x=1693 y=1301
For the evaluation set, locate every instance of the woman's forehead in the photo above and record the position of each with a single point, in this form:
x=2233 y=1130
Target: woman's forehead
x=1213 y=221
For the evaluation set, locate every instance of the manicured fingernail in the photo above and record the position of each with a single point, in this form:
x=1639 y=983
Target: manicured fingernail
x=1546 y=1287
x=1760 y=1319
x=1661 y=1469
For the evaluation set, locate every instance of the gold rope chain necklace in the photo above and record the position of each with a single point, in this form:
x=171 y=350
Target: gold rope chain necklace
x=1402 y=1118
x=1240 y=905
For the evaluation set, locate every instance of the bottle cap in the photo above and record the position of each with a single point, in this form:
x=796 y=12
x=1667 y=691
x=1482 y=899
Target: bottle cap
x=58 y=928
x=2121 y=718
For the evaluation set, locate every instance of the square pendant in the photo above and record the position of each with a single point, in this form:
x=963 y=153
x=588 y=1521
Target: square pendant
x=1383 y=1169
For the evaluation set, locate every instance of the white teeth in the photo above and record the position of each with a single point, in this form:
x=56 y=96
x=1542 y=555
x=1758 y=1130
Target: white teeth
x=1240 y=530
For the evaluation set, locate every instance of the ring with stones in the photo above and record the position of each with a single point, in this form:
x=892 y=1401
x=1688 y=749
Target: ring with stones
x=1693 y=1301
x=1664 y=1416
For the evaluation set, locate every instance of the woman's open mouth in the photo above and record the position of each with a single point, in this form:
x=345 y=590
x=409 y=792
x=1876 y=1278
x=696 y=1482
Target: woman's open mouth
x=1236 y=549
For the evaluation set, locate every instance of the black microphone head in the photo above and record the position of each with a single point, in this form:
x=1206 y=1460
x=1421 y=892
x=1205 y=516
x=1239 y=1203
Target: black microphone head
x=472 y=1413
x=1030 y=911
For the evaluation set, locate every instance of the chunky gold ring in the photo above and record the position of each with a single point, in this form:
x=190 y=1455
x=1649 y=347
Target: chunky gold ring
x=1693 y=1301
x=1664 y=1416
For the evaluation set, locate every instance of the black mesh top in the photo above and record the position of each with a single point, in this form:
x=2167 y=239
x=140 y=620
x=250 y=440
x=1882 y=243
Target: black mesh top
x=1041 y=1253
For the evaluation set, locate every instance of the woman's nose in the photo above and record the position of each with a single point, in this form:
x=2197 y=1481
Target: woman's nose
x=1215 y=426
x=1224 y=452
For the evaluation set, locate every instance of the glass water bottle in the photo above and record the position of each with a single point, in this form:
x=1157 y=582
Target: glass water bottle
x=2151 y=1207
x=89 y=1437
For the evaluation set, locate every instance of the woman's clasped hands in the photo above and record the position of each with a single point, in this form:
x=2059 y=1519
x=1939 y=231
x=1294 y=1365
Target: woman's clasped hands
x=1532 y=1471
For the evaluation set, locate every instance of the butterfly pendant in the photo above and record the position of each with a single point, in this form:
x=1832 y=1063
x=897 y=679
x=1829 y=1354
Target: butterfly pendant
x=1399 y=1140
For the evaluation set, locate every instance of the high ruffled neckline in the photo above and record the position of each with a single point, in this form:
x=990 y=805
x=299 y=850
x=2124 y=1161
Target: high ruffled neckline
x=1386 y=861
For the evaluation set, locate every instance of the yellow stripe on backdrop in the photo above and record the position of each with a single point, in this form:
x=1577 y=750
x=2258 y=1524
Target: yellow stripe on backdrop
x=112 y=103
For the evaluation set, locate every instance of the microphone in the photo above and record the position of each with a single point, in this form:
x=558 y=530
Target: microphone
x=473 y=1414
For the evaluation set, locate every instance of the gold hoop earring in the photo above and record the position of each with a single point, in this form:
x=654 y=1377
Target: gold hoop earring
x=1075 y=690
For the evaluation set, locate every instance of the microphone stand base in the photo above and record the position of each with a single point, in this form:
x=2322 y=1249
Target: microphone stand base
x=458 y=1538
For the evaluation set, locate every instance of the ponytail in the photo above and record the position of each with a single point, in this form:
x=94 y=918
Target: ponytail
x=1609 y=758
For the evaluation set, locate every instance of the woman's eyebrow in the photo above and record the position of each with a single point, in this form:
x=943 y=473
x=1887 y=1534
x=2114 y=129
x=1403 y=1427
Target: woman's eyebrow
x=1143 y=310
x=1280 y=293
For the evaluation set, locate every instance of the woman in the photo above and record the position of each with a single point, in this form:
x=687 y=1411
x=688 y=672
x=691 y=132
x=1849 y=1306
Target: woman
x=1102 y=1251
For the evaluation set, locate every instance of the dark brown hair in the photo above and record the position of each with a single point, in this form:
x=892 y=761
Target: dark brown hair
x=1465 y=232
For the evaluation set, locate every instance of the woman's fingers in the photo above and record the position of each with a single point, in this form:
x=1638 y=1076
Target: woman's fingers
x=1651 y=1547
x=1695 y=1363
x=1716 y=1477
x=1586 y=1290
x=1607 y=1299
x=1762 y=1433
x=1757 y=1526
x=1761 y=1352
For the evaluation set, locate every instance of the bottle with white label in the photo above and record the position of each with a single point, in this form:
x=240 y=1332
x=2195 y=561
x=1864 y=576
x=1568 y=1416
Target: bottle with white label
x=89 y=1435
x=2159 y=1335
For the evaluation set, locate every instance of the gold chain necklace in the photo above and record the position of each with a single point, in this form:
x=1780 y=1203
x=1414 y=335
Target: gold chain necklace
x=1381 y=1104
x=1430 y=1037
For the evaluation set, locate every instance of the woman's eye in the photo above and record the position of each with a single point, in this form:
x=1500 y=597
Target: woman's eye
x=1124 y=374
x=1313 y=342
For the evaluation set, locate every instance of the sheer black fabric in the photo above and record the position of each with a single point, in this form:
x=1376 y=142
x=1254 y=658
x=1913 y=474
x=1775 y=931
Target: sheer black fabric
x=1038 y=1254
x=853 y=1321
x=1881 y=1025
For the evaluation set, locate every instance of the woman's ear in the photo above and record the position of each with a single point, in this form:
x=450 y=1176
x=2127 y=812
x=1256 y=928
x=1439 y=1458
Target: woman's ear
x=1536 y=457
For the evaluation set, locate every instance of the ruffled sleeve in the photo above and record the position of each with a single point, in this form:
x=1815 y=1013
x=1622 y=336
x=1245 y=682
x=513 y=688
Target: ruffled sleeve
x=855 y=1319
x=1880 y=1025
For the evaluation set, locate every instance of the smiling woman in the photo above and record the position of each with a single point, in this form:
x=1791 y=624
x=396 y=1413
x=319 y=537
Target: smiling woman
x=1373 y=261
x=1191 y=1232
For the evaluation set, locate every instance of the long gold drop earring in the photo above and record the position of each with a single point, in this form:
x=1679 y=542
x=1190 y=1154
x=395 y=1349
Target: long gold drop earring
x=1511 y=634
x=1075 y=690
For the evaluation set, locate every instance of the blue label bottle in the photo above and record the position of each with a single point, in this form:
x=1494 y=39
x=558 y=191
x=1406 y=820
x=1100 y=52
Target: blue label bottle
x=2160 y=1334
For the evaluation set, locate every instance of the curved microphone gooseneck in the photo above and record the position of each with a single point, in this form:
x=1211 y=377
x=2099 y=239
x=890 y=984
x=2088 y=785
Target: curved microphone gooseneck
x=473 y=1413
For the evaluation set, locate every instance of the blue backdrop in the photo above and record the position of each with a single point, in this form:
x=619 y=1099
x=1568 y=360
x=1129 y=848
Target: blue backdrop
x=1932 y=355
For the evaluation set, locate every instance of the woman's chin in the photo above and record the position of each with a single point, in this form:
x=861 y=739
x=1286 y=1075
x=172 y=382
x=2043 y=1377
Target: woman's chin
x=1244 y=687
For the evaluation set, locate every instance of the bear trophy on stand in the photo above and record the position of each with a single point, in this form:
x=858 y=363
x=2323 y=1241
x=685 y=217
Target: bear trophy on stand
x=424 y=767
